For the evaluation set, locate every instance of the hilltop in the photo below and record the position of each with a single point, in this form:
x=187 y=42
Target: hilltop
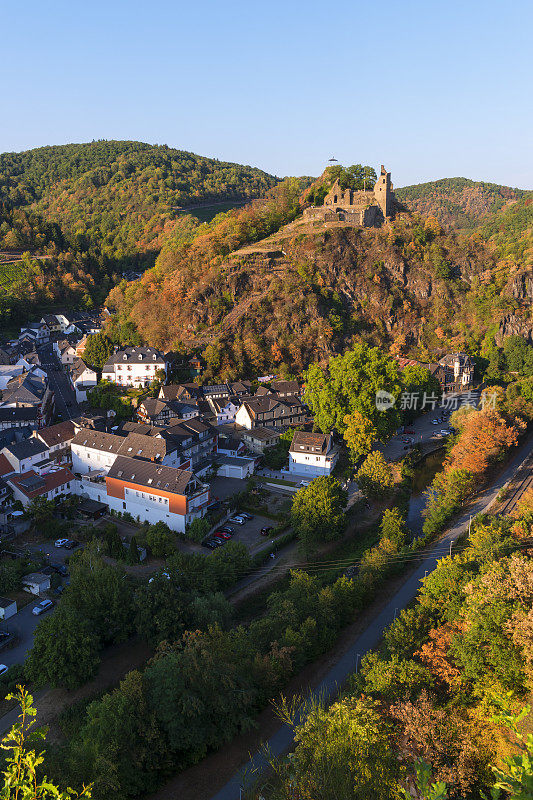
x=459 y=202
x=262 y=289
x=85 y=212
x=121 y=197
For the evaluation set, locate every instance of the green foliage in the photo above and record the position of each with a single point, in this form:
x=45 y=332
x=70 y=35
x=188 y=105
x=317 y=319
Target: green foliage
x=97 y=350
x=349 y=383
x=89 y=187
x=64 y=651
x=374 y=477
x=110 y=397
x=317 y=512
x=198 y=529
x=23 y=766
x=160 y=540
x=392 y=527
x=395 y=678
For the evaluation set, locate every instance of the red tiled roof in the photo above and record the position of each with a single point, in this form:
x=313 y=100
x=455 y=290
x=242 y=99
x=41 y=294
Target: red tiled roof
x=52 y=480
x=5 y=466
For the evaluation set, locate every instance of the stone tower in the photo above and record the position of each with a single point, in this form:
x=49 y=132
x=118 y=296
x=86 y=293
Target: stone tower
x=383 y=192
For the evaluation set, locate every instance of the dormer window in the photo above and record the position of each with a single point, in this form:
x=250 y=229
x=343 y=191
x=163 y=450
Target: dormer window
x=125 y=357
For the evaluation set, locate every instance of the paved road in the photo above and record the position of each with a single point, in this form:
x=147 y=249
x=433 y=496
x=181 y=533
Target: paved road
x=282 y=740
x=59 y=383
x=23 y=624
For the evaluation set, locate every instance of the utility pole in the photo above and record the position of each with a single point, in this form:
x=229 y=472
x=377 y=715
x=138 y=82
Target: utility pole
x=358 y=656
x=451 y=544
x=469 y=524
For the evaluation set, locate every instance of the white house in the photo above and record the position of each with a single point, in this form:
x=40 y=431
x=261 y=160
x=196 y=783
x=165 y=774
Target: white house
x=36 y=582
x=8 y=608
x=149 y=492
x=57 y=481
x=96 y=450
x=26 y=454
x=134 y=366
x=312 y=454
x=225 y=410
x=82 y=378
x=65 y=351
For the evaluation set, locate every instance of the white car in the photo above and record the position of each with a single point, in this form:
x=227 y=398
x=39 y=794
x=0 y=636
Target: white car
x=44 y=605
x=305 y=483
x=434 y=422
x=446 y=433
x=60 y=542
x=237 y=520
x=3 y=669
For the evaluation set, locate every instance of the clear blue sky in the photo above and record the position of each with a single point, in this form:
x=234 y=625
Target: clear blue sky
x=432 y=89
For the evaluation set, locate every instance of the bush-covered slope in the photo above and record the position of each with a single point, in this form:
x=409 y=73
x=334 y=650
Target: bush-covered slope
x=459 y=202
x=120 y=197
x=306 y=292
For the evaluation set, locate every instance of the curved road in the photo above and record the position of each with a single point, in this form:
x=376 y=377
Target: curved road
x=282 y=740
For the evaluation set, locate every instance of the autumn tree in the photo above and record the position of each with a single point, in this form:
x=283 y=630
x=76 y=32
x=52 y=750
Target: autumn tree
x=359 y=435
x=375 y=477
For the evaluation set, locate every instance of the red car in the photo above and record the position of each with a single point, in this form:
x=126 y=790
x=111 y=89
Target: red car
x=223 y=534
x=410 y=430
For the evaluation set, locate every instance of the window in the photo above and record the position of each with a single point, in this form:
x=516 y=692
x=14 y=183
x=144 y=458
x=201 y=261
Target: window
x=123 y=505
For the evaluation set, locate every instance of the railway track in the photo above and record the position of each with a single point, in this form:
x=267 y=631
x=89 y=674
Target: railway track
x=519 y=488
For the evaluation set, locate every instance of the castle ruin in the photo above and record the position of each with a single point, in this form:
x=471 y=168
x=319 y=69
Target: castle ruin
x=363 y=209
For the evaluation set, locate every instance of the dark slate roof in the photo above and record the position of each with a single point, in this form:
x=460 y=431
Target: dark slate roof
x=175 y=390
x=134 y=355
x=154 y=476
x=78 y=368
x=26 y=388
x=310 y=442
x=286 y=387
x=20 y=414
x=98 y=440
x=152 y=448
x=26 y=448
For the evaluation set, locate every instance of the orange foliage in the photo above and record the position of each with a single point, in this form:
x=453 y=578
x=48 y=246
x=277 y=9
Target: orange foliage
x=434 y=654
x=485 y=434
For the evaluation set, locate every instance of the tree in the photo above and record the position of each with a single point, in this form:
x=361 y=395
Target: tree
x=99 y=593
x=374 y=477
x=360 y=435
x=97 y=350
x=23 y=766
x=160 y=540
x=350 y=383
x=121 y=742
x=317 y=512
x=41 y=511
x=392 y=527
x=198 y=529
x=340 y=752
x=65 y=650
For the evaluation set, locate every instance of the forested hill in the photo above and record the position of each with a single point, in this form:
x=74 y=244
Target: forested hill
x=121 y=198
x=459 y=202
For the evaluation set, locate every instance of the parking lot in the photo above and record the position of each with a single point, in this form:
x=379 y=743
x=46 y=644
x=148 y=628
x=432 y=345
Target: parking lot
x=250 y=533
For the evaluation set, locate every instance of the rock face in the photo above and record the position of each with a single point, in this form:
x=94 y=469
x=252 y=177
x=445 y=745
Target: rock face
x=513 y=325
x=520 y=286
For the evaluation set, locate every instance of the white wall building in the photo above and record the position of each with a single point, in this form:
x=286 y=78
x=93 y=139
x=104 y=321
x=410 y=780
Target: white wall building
x=312 y=454
x=134 y=366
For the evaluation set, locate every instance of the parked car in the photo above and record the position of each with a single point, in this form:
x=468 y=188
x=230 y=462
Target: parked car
x=60 y=542
x=223 y=534
x=44 y=605
x=434 y=422
x=227 y=529
x=70 y=544
x=266 y=531
x=244 y=515
x=3 y=669
x=445 y=432
x=60 y=569
x=237 y=520
x=409 y=430
x=209 y=543
x=305 y=483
